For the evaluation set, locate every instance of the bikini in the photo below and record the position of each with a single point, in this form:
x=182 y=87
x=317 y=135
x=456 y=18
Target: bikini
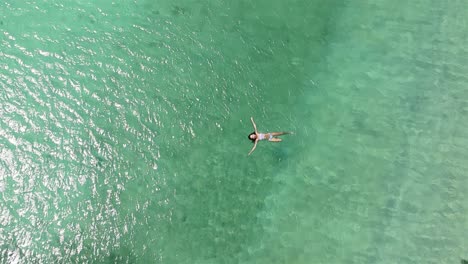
x=262 y=136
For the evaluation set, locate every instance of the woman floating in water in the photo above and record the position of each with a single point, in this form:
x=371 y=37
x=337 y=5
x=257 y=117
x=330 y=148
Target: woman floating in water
x=256 y=136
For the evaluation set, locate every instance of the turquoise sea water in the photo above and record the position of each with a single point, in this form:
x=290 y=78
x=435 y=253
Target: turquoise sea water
x=123 y=131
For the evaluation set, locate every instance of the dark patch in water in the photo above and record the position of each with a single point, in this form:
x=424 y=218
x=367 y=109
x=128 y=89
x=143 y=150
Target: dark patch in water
x=123 y=255
x=416 y=103
x=361 y=128
x=178 y=10
x=391 y=203
x=100 y=161
x=280 y=154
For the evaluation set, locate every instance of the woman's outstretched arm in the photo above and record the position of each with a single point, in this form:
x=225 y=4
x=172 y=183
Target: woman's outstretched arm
x=255 y=145
x=253 y=123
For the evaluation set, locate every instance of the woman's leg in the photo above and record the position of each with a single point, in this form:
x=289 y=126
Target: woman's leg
x=279 y=133
x=275 y=139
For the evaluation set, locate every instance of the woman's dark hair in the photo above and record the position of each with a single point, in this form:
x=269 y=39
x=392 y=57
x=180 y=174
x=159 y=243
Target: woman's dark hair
x=253 y=140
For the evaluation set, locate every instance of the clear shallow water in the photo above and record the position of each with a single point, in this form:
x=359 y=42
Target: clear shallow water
x=123 y=132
